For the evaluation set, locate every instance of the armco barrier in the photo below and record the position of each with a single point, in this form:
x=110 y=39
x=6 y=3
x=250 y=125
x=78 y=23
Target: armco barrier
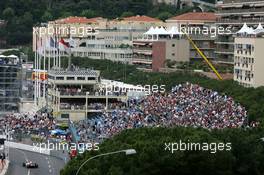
x=27 y=147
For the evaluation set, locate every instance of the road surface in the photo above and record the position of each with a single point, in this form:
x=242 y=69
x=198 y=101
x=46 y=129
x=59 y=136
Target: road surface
x=47 y=165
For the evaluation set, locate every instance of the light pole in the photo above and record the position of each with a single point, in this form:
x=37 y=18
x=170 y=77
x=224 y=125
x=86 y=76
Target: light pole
x=127 y=152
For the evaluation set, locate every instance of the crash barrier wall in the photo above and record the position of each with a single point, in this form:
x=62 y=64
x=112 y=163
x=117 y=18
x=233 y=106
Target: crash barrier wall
x=27 y=147
x=58 y=154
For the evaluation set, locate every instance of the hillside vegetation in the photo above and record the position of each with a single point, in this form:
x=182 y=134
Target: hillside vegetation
x=23 y=14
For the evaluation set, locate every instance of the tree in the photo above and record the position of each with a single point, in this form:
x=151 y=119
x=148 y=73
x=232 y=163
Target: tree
x=127 y=14
x=27 y=19
x=164 y=15
x=47 y=16
x=88 y=13
x=8 y=13
x=245 y=157
x=66 y=14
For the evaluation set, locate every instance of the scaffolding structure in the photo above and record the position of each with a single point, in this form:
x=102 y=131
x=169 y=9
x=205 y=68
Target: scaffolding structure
x=10 y=84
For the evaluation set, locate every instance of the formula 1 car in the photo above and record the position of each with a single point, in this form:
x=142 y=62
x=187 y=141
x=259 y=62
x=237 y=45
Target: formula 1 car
x=30 y=164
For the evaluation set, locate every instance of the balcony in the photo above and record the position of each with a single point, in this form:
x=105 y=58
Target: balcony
x=240 y=21
x=224 y=51
x=240 y=11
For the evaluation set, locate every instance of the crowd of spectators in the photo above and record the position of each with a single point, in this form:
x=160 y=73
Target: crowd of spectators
x=27 y=123
x=187 y=105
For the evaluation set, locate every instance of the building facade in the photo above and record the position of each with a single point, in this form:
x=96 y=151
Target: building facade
x=98 y=38
x=193 y=23
x=78 y=93
x=248 y=60
x=159 y=46
x=234 y=14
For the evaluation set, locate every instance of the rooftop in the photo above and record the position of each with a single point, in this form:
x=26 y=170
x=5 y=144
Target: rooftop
x=192 y=16
x=142 y=18
x=75 y=71
x=80 y=20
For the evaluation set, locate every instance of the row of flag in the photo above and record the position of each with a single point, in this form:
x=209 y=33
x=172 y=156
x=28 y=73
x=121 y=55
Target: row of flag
x=55 y=44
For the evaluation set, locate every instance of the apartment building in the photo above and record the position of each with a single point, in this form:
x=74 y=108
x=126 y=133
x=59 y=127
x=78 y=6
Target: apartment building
x=234 y=14
x=248 y=57
x=159 y=45
x=134 y=23
x=194 y=23
x=99 y=38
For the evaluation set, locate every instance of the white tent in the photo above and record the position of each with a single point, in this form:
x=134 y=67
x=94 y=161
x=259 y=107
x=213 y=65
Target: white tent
x=2 y=56
x=251 y=31
x=162 y=31
x=244 y=29
x=12 y=56
x=259 y=29
x=174 y=31
x=151 y=31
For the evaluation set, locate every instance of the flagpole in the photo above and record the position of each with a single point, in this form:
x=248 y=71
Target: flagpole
x=44 y=69
x=59 y=58
x=35 y=72
x=49 y=56
x=37 y=69
x=38 y=76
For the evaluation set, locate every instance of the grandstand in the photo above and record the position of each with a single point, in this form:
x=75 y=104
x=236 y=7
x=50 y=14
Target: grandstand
x=76 y=94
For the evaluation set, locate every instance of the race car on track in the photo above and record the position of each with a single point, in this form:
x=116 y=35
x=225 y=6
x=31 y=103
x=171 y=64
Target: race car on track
x=30 y=164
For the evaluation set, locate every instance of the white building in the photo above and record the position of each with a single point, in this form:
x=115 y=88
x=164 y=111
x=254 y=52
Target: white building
x=248 y=56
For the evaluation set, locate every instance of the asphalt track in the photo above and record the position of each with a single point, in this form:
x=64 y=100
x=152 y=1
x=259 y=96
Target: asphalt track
x=48 y=165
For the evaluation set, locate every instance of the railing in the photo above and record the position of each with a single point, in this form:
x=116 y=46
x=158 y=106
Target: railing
x=241 y=21
x=202 y=37
x=225 y=50
x=239 y=1
x=242 y=10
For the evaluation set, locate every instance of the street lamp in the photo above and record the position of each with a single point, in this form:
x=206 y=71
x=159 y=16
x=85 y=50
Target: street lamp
x=127 y=152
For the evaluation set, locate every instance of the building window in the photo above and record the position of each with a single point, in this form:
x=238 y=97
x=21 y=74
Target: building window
x=70 y=78
x=80 y=78
x=65 y=116
x=91 y=78
x=59 y=78
x=173 y=54
x=173 y=45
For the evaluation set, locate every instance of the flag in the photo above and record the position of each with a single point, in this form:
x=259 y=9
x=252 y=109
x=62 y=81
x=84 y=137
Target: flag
x=63 y=45
x=72 y=43
x=51 y=43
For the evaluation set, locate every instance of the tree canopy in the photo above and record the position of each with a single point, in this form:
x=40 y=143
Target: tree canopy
x=21 y=15
x=245 y=157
